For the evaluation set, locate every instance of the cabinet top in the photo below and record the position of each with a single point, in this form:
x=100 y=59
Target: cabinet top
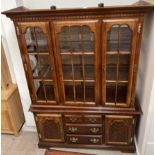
x=138 y=8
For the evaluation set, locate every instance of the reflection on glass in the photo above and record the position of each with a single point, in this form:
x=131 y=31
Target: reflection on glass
x=39 y=89
x=76 y=39
x=49 y=90
x=119 y=38
x=36 y=40
x=125 y=38
x=40 y=66
x=44 y=90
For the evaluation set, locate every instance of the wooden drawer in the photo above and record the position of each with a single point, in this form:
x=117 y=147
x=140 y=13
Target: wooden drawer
x=84 y=139
x=83 y=119
x=84 y=128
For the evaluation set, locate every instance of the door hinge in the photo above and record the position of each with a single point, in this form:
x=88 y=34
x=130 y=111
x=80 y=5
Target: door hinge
x=17 y=30
x=139 y=27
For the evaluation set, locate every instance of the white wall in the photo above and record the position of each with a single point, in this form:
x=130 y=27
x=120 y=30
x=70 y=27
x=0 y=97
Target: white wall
x=14 y=59
x=37 y=4
x=145 y=85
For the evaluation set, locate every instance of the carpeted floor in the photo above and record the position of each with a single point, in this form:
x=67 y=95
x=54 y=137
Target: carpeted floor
x=26 y=144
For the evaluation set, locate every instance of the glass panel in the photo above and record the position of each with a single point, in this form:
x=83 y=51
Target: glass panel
x=89 y=92
x=69 y=91
x=39 y=89
x=121 y=92
x=79 y=89
x=110 y=92
x=78 y=74
x=36 y=40
x=111 y=72
x=40 y=66
x=66 y=61
x=112 y=38
x=123 y=72
x=124 y=59
x=125 y=38
x=76 y=39
x=112 y=58
x=89 y=67
x=49 y=90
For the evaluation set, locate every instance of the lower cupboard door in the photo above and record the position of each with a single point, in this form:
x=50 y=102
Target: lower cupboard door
x=50 y=127
x=119 y=129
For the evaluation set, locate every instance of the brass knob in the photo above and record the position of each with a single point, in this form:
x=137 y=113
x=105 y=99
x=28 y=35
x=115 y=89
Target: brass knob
x=94 y=140
x=73 y=119
x=73 y=139
x=72 y=129
x=94 y=130
x=93 y=120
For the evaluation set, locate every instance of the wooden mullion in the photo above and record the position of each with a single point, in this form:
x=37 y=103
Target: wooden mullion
x=117 y=74
x=35 y=37
x=83 y=69
x=74 y=90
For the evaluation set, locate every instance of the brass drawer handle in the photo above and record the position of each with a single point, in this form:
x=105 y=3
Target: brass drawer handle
x=94 y=140
x=94 y=130
x=92 y=120
x=73 y=119
x=73 y=139
x=72 y=129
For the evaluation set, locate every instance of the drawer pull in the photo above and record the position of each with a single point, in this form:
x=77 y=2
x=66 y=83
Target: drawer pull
x=93 y=120
x=73 y=119
x=94 y=140
x=72 y=129
x=94 y=130
x=73 y=139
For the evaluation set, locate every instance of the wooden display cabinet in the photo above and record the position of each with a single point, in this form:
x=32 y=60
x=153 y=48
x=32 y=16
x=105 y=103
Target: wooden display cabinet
x=81 y=68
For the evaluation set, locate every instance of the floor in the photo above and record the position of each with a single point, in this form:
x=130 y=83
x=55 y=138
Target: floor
x=26 y=144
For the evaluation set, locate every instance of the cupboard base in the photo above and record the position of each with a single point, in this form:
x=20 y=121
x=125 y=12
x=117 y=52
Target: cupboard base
x=125 y=149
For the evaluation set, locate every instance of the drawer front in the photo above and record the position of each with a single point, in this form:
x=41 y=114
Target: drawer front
x=84 y=139
x=74 y=119
x=84 y=129
x=92 y=119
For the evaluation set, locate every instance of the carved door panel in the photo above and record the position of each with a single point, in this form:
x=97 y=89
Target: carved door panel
x=50 y=127
x=38 y=61
x=119 y=129
x=76 y=49
x=118 y=53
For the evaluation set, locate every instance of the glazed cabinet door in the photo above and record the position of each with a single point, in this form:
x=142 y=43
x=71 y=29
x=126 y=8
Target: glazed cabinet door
x=37 y=54
x=50 y=127
x=119 y=129
x=76 y=48
x=119 y=38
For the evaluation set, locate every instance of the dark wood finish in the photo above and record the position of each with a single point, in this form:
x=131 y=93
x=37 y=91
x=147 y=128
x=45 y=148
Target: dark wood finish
x=84 y=139
x=87 y=64
x=118 y=129
x=50 y=127
x=84 y=129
